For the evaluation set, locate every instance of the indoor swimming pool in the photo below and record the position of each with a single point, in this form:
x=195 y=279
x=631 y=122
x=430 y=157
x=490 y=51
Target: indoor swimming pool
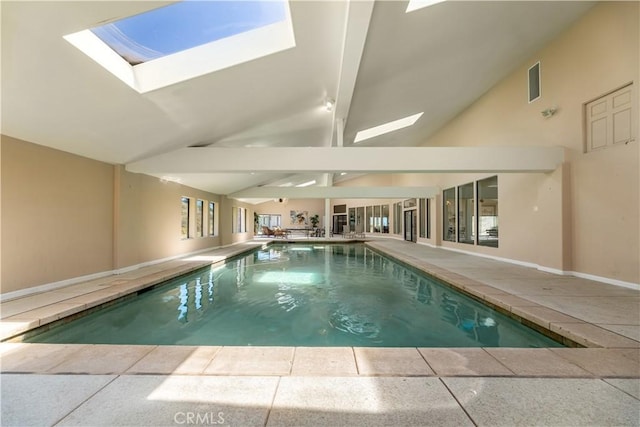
x=301 y=295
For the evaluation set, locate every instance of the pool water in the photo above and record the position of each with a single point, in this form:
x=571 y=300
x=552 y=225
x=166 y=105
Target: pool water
x=301 y=295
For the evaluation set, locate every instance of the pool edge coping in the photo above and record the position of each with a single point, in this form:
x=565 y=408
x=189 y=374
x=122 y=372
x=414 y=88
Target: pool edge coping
x=570 y=330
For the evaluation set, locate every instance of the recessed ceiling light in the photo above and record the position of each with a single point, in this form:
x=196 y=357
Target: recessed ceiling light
x=343 y=173
x=387 y=127
x=306 y=184
x=419 y=4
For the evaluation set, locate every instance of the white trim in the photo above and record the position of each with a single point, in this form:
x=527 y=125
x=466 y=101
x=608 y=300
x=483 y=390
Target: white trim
x=431 y=245
x=615 y=282
x=609 y=281
x=67 y=282
x=51 y=286
x=509 y=260
x=553 y=270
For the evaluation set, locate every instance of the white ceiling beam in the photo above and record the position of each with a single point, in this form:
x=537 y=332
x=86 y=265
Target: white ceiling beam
x=355 y=36
x=352 y=159
x=335 y=192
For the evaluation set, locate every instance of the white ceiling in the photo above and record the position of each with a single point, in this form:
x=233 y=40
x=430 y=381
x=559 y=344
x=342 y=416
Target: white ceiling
x=378 y=62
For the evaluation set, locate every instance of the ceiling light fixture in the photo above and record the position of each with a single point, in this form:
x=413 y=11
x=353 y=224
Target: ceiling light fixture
x=306 y=184
x=387 y=127
x=549 y=112
x=329 y=104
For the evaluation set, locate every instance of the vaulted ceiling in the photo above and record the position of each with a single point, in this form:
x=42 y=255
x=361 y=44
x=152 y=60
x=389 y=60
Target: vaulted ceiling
x=376 y=61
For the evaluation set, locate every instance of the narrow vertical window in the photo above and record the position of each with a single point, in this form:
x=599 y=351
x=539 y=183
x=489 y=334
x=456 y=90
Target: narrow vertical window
x=243 y=220
x=397 y=217
x=352 y=219
x=534 y=82
x=360 y=219
x=377 y=219
x=385 y=219
x=449 y=214
x=234 y=219
x=422 y=212
x=466 y=214
x=199 y=218
x=211 y=219
x=488 y=212
x=239 y=220
x=427 y=209
x=185 y=218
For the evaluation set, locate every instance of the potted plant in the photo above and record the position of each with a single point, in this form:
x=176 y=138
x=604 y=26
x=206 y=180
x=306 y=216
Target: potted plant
x=315 y=220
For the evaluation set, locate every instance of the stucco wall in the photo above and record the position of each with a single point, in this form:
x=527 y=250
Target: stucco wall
x=148 y=218
x=66 y=216
x=584 y=217
x=57 y=215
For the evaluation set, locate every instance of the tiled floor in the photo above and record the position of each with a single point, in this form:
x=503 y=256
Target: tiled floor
x=49 y=384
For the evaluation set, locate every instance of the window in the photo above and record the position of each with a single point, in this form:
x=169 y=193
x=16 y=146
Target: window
x=610 y=120
x=211 y=217
x=200 y=218
x=449 y=214
x=185 y=218
x=369 y=219
x=534 y=82
x=425 y=227
x=340 y=209
x=488 y=212
x=352 y=219
x=397 y=218
x=238 y=220
x=377 y=219
x=267 y=220
x=360 y=219
x=410 y=203
x=385 y=219
x=466 y=214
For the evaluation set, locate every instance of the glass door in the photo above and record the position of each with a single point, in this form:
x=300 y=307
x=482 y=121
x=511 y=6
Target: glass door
x=410 y=225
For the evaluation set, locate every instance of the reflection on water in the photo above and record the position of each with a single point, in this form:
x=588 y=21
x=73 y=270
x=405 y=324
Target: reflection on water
x=305 y=295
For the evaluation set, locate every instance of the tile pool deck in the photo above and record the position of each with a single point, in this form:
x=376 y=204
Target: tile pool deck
x=83 y=384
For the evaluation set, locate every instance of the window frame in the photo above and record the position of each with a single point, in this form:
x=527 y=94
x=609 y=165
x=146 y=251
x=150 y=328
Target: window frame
x=211 y=216
x=185 y=222
x=199 y=216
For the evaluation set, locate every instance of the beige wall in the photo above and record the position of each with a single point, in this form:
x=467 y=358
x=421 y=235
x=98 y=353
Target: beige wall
x=65 y=216
x=226 y=208
x=148 y=218
x=57 y=215
x=584 y=217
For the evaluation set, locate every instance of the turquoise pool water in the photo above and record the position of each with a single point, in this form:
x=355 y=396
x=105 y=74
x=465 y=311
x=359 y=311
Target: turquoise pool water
x=301 y=295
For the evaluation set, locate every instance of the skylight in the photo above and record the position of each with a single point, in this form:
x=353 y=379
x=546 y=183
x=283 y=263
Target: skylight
x=187 y=39
x=306 y=184
x=387 y=127
x=419 y=4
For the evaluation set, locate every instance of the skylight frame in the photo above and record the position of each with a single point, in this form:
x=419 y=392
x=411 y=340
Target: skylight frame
x=388 y=127
x=190 y=63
